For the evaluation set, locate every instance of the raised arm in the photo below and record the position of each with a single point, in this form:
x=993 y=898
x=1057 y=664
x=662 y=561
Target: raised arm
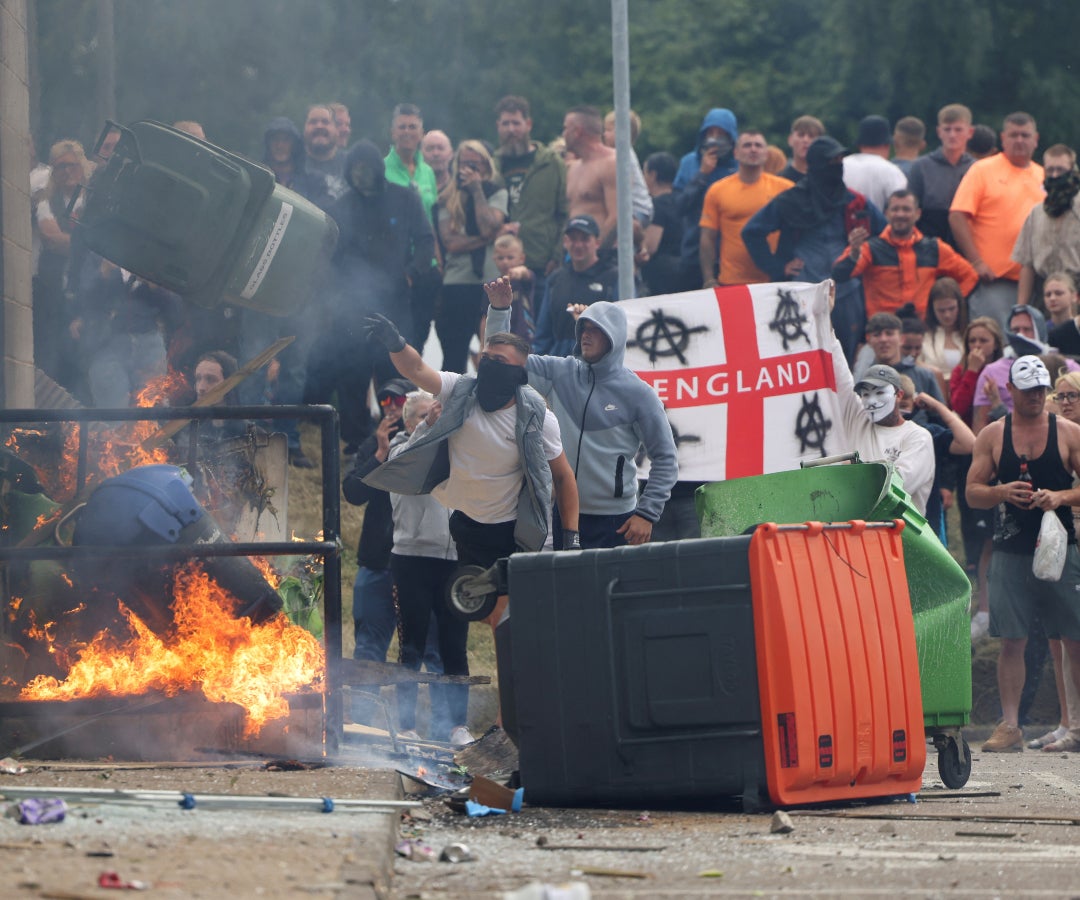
x=406 y=360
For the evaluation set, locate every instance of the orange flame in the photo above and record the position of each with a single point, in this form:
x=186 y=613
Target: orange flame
x=228 y=659
x=267 y=570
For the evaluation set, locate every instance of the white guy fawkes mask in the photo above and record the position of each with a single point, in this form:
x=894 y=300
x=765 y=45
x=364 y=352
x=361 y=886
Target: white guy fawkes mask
x=879 y=401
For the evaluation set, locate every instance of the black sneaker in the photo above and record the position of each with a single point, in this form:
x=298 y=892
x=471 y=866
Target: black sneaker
x=298 y=459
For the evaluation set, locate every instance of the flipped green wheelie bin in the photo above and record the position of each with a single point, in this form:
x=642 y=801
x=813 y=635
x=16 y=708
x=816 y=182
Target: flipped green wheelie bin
x=208 y=224
x=940 y=589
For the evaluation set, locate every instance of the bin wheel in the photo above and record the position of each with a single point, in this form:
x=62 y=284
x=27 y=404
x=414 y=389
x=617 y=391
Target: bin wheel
x=954 y=762
x=470 y=595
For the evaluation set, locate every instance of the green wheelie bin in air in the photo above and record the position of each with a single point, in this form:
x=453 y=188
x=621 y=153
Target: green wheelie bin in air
x=940 y=589
x=205 y=223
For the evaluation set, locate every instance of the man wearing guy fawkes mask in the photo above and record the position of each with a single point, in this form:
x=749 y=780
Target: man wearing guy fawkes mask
x=874 y=425
x=385 y=244
x=494 y=456
x=1049 y=240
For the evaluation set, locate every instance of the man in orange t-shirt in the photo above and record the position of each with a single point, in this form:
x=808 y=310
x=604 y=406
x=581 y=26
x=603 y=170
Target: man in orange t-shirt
x=729 y=205
x=988 y=211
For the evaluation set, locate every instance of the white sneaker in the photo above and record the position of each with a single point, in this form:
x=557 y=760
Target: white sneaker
x=980 y=626
x=460 y=736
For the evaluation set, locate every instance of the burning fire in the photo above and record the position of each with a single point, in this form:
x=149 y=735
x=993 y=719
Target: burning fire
x=112 y=448
x=228 y=659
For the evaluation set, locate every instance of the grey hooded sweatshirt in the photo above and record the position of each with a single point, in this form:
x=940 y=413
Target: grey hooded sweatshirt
x=606 y=413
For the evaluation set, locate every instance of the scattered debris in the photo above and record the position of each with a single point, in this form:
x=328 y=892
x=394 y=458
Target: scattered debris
x=455 y=853
x=477 y=810
x=572 y=890
x=494 y=795
x=113 y=880
x=609 y=873
x=41 y=810
x=781 y=823
x=9 y=766
x=416 y=850
x=987 y=834
x=616 y=849
x=711 y=873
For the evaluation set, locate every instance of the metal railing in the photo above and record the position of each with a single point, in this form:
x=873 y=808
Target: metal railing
x=329 y=548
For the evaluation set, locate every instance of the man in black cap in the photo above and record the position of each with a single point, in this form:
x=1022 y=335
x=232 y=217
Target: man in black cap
x=869 y=171
x=816 y=219
x=581 y=281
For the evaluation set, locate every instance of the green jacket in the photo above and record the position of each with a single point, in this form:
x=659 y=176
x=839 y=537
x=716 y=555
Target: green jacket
x=423 y=179
x=541 y=208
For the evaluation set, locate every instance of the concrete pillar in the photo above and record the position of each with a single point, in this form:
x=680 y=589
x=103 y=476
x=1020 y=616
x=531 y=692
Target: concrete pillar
x=16 y=325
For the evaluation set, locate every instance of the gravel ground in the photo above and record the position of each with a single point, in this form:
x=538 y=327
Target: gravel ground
x=945 y=845
x=1012 y=831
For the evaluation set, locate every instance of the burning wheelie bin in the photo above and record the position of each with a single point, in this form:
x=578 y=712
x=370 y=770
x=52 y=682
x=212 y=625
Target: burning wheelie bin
x=939 y=588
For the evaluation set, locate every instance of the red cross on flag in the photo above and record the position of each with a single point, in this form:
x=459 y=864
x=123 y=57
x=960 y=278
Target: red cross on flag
x=745 y=374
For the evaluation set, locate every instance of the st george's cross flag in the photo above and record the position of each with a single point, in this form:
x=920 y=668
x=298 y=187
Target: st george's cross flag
x=745 y=374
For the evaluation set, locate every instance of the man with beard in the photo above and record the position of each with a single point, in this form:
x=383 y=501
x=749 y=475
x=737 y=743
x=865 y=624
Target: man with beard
x=816 y=219
x=494 y=455
x=899 y=266
x=988 y=211
x=322 y=154
x=385 y=244
x=1049 y=240
x=535 y=179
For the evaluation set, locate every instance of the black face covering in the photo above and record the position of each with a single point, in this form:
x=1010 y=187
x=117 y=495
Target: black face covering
x=496 y=383
x=1060 y=191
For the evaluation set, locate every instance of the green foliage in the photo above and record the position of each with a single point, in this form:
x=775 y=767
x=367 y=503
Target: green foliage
x=234 y=64
x=301 y=590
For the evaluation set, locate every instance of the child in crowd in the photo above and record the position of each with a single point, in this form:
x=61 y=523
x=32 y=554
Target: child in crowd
x=510 y=259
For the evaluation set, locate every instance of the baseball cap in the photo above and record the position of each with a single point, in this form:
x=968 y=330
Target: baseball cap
x=1028 y=372
x=880 y=376
x=583 y=223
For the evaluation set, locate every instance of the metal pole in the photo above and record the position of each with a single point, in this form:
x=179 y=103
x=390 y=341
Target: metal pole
x=106 y=63
x=620 y=55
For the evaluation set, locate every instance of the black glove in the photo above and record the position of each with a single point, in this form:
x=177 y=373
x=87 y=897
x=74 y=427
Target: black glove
x=571 y=540
x=381 y=329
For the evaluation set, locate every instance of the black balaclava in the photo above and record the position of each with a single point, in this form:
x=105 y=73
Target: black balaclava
x=1060 y=191
x=496 y=383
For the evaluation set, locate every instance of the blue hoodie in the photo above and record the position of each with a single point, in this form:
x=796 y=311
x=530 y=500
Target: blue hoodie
x=690 y=164
x=606 y=413
x=691 y=184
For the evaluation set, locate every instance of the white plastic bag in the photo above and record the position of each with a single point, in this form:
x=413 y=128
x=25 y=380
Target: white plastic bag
x=1050 y=548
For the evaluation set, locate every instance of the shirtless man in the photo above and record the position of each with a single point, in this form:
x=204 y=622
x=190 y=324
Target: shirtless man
x=590 y=182
x=1047 y=448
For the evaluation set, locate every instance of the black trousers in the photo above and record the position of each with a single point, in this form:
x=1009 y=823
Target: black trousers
x=421 y=581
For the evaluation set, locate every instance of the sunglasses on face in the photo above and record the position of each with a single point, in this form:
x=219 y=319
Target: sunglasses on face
x=387 y=402
x=1066 y=396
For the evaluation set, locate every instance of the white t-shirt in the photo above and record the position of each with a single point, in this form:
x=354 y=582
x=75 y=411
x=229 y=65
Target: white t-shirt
x=908 y=447
x=486 y=470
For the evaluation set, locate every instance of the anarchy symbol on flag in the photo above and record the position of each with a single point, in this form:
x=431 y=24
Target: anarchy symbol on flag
x=747 y=370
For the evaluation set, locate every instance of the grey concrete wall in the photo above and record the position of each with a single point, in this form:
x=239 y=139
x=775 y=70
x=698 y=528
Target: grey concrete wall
x=16 y=328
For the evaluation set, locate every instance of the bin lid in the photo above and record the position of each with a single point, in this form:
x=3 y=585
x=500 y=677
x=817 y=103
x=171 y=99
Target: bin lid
x=819 y=494
x=169 y=207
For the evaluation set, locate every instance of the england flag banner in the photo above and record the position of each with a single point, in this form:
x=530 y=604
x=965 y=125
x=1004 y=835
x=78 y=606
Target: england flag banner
x=745 y=374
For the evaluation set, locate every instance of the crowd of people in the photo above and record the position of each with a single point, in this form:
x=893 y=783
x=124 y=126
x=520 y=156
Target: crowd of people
x=955 y=318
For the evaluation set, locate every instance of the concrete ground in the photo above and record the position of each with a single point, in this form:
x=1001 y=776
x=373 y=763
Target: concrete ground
x=1011 y=831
